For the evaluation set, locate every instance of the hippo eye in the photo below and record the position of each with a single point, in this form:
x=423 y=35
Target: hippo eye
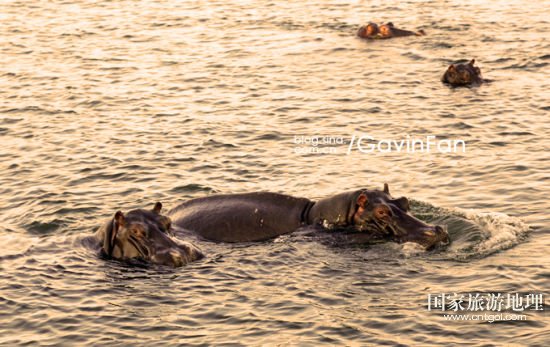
x=165 y=223
x=382 y=211
x=138 y=232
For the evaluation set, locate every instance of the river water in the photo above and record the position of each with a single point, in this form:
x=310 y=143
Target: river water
x=109 y=105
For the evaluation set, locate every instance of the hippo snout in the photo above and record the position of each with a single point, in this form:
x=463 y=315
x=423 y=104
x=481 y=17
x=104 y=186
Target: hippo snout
x=441 y=236
x=429 y=237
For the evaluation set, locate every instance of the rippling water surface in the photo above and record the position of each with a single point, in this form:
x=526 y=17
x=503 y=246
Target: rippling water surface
x=109 y=105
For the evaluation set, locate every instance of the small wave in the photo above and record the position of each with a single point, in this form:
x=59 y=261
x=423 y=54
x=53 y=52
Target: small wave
x=436 y=45
x=515 y=133
x=410 y=249
x=474 y=234
x=413 y=56
x=37 y=110
x=192 y=188
x=462 y=125
x=211 y=144
x=528 y=66
x=500 y=231
x=11 y=120
x=44 y=227
x=15 y=246
x=269 y=137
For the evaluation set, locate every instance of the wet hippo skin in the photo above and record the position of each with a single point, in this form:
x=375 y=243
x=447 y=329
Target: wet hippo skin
x=462 y=75
x=385 y=31
x=241 y=217
x=145 y=235
x=263 y=215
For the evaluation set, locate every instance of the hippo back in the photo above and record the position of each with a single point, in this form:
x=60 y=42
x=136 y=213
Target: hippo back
x=240 y=217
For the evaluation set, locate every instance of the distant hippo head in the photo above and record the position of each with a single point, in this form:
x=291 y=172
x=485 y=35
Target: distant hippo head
x=144 y=234
x=386 y=30
x=462 y=74
x=378 y=211
x=368 y=31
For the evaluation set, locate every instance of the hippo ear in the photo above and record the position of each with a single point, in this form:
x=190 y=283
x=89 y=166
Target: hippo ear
x=118 y=222
x=471 y=63
x=111 y=233
x=452 y=67
x=386 y=188
x=390 y=24
x=362 y=200
x=403 y=203
x=157 y=207
x=119 y=218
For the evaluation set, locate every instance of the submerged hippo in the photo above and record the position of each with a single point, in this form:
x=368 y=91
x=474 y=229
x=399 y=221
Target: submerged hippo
x=462 y=74
x=262 y=216
x=144 y=235
x=385 y=31
x=371 y=215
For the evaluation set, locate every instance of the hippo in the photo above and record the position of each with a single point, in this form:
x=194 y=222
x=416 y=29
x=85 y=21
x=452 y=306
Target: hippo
x=260 y=216
x=144 y=235
x=385 y=31
x=462 y=74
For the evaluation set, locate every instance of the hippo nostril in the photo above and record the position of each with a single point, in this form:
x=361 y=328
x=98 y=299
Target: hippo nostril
x=443 y=235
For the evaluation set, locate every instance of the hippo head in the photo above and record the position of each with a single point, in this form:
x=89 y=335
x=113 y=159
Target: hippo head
x=386 y=30
x=379 y=212
x=462 y=74
x=368 y=31
x=144 y=234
